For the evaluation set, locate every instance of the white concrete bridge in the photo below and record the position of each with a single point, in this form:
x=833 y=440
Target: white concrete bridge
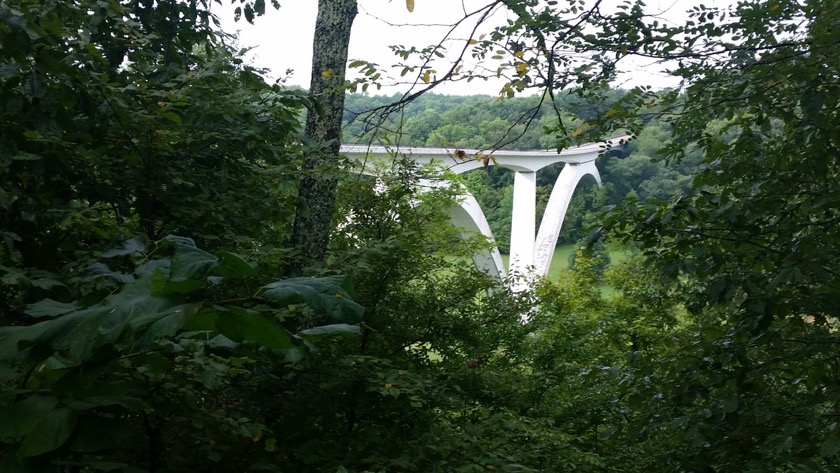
x=530 y=251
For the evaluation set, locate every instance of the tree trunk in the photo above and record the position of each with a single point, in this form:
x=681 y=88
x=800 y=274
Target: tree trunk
x=313 y=219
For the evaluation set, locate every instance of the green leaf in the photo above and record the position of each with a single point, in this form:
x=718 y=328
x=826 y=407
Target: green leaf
x=155 y=361
x=162 y=324
x=111 y=466
x=203 y=321
x=678 y=422
x=21 y=418
x=27 y=157
x=8 y=70
x=787 y=275
x=162 y=285
x=221 y=341
x=324 y=295
x=242 y=325
x=124 y=394
x=101 y=270
x=77 y=332
x=127 y=247
x=49 y=308
x=49 y=434
x=786 y=445
x=179 y=240
x=830 y=447
x=292 y=355
x=173 y=117
x=34 y=86
x=191 y=263
x=334 y=329
x=605 y=435
x=812 y=104
x=46 y=283
x=730 y=405
x=233 y=266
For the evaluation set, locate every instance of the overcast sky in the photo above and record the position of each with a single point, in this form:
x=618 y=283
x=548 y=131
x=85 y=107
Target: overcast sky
x=282 y=39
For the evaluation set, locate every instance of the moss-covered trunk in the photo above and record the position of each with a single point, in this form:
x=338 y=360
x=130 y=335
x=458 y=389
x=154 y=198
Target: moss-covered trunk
x=313 y=219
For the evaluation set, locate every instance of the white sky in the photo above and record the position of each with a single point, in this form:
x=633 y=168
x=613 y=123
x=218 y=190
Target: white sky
x=282 y=39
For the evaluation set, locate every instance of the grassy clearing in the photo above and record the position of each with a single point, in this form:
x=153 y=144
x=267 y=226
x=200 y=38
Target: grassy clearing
x=560 y=260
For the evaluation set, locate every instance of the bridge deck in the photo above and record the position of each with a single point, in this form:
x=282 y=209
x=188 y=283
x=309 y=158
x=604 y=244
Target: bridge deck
x=520 y=161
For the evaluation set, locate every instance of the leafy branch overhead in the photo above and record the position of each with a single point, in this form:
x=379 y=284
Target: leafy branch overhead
x=542 y=48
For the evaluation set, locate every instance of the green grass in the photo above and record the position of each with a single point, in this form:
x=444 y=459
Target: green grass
x=560 y=260
x=620 y=253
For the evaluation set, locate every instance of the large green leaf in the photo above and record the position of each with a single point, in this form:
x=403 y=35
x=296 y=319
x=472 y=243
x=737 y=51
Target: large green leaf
x=10 y=338
x=98 y=270
x=49 y=434
x=127 y=395
x=96 y=434
x=242 y=325
x=202 y=321
x=326 y=330
x=179 y=240
x=191 y=263
x=233 y=266
x=830 y=446
x=78 y=332
x=163 y=324
x=163 y=285
x=49 y=308
x=18 y=419
x=324 y=295
x=127 y=247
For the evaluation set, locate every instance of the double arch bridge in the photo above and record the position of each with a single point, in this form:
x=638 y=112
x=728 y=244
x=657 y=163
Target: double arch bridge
x=530 y=251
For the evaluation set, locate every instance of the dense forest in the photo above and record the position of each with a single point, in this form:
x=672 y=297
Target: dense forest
x=159 y=311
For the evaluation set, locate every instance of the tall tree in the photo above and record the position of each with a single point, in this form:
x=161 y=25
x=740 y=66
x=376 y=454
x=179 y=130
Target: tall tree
x=317 y=192
x=532 y=53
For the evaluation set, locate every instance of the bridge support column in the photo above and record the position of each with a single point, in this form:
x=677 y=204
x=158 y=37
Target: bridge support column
x=523 y=221
x=468 y=216
x=555 y=211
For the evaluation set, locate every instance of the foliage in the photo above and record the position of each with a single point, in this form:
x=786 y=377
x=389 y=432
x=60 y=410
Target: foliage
x=716 y=350
x=130 y=117
x=109 y=381
x=475 y=121
x=596 y=251
x=752 y=244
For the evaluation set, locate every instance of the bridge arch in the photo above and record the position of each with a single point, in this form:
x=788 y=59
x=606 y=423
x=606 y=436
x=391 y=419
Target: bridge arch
x=530 y=253
x=555 y=211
